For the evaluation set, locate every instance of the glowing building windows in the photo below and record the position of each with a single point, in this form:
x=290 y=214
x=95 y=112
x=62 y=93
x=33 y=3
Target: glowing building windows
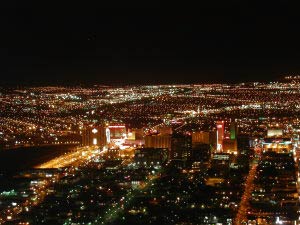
x=94 y=141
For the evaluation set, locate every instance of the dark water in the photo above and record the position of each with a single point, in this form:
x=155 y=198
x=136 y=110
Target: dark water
x=28 y=157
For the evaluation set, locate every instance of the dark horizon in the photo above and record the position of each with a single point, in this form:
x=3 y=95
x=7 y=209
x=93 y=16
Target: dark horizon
x=116 y=83
x=232 y=42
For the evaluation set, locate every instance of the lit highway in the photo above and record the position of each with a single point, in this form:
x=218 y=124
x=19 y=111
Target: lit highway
x=241 y=217
x=79 y=157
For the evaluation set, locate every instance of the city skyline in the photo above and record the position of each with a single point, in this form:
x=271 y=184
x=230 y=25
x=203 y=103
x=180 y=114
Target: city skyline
x=151 y=154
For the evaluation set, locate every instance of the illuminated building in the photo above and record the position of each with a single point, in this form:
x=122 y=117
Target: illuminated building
x=233 y=129
x=230 y=142
x=220 y=135
x=274 y=133
x=221 y=160
x=230 y=145
x=158 y=141
x=297 y=153
x=205 y=137
x=135 y=137
x=95 y=136
x=201 y=137
x=278 y=145
x=131 y=135
x=214 y=181
x=139 y=133
x=117 y=131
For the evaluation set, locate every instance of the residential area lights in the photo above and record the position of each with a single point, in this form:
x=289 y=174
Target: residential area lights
x=161 y=154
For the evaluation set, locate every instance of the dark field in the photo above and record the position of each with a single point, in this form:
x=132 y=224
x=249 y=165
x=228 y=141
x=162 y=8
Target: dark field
x=28 y=157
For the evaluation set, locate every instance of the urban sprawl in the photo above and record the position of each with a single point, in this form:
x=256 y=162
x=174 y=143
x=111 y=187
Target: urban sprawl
x=159 y=154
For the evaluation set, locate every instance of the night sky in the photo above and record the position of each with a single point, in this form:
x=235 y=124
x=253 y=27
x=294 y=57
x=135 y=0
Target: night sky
x=79 y=43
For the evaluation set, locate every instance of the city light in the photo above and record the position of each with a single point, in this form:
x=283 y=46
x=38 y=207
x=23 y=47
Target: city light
x=226 y=153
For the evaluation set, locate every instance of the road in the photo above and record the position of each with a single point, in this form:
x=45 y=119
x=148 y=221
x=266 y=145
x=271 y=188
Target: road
x=241 y=217
x=78 y=157
x=113 y=212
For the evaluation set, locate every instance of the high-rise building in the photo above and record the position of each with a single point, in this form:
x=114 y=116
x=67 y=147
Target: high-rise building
x=95 y=136
x=233 y=129
x=201 y=137
x=220 y=135
x=243 y=144
x=205 y=137
x=117 y=131
x=181 y=146
x=158 y=141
